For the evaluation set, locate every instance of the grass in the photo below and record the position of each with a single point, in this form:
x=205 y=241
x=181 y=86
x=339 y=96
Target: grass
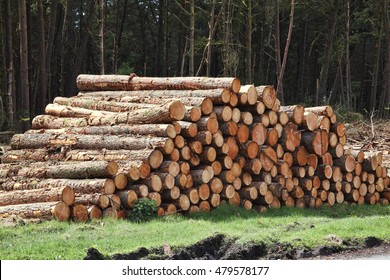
x=301 y=227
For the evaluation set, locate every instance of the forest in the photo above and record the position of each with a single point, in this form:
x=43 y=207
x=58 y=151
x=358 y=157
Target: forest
x=313 y=51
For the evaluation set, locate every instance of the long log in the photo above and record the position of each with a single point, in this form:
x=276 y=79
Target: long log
x=65 y=194
x=106 y=186
x=316 y=142
x=124 y=82
x=216 y=96
x=79 y=141
x=44 y=210
x=70 y=170
x=51 y=122
x=159 y=130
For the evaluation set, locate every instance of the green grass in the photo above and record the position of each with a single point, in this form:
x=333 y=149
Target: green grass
x=301 y=227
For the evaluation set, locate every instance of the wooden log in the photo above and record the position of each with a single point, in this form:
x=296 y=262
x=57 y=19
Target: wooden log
x=124 y=82
x=324 y=171
x=141 y=190
x=324 y=123
x=267 y=95
x=316 y=142
x=128 y=198
x=51 y=122
x=208 y=124
x=159 y=130
x=192 y=114
x=68 y=170
x=310 y=121
x=370 y=163
x=338 y=128
x=169 y=195
x=204 y=191
x=346 y=163
x=321 y=110
x=94 y=212
x=291 y=137
x=79 y=213
x=258 y=133
x=264 y=200
x=64 y=193
x=294 y=112
x=165 y=113
x=229 y=128
x=106 y=186
x=78 y=141
x=154 y=182
x=44 y=210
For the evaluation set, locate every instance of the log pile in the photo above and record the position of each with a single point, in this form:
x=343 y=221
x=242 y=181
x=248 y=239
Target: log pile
x=186 y=143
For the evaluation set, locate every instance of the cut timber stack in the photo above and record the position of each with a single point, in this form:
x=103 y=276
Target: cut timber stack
x=186 y=143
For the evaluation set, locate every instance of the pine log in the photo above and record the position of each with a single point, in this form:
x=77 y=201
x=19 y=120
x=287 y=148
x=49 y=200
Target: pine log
x=101 y=200
x=170 y=195
x=79 y=213
x=106 y=186
x=291 y=137
x=300 y=156
x=124 y=82
x=64 y=193
x=338 y=128
x=316 y=142
x=267 y=95
x=208 y=124
x=229 y=128
x=170 y=167
x=94 y=212
x=71 y=170
x=159 y=130
x=321 y=110
x=78 y=141
x=294 y=112
x=310 y=121
x=346 y=163
x=44 y=210
x=253 y=166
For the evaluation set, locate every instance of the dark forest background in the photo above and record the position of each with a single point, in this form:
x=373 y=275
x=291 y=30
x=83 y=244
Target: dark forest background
x=313 y=51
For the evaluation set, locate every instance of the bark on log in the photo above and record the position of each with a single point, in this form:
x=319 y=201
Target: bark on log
x=91 y=142
x=65 y=194
x=217 y=96
x=159 y=130
x=326 y=111
x=294 y=112
x=267 y=95
x=316 y=142
x=79 y=213
x=44 y=210
x=106 y=186
x=50 y=122
x=124 y=82
x=71 y=170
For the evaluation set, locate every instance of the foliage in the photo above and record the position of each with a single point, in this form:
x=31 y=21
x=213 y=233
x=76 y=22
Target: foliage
x=144 y=210
x=301 y=227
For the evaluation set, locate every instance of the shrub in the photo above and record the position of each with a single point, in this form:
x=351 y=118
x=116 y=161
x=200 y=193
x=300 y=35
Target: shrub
x=144 y=210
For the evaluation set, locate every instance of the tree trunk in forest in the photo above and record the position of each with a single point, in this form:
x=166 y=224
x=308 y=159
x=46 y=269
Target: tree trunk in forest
x=321 y=91
x=277 y=46
x=64 y=44
x=191 y=71
x=11 y=83
x=385 y=104
x=41 y=97
x=348 y=81
x=249 y=30
x=285 y=55
x=101 y=35
x=376 y=62
x=25 y=86
x=120 y=21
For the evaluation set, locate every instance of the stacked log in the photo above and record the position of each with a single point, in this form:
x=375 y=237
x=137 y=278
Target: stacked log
x=186 y=143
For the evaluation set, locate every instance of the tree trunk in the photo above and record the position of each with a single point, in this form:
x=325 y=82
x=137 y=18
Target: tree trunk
x=322 y=88
x=41 y=97
x=11 y=82
x=249 y=30
x=24 y=75
x=192 y=39
x=101 y=35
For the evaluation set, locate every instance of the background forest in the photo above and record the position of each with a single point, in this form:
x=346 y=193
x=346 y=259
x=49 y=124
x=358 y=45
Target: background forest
x=314 y=51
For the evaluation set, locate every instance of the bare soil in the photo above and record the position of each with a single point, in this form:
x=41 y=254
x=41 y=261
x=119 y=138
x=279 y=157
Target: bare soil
x=219 y=247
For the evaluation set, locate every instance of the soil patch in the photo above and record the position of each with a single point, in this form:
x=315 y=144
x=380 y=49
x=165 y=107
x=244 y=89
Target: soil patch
x=220 y=247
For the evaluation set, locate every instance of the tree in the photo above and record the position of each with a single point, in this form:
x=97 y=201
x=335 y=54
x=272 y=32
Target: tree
x=101 y=35
x=11 y=95
x=25 y=87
